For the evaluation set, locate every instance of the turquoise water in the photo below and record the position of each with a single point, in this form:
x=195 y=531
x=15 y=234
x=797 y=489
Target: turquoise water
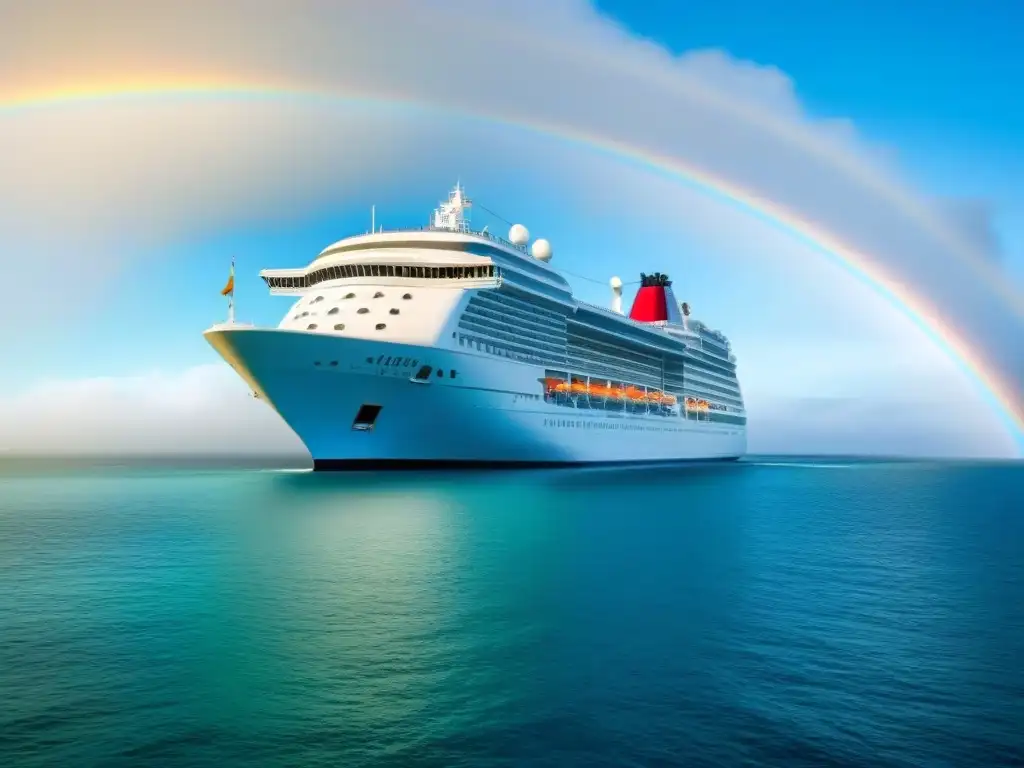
x=781 y=612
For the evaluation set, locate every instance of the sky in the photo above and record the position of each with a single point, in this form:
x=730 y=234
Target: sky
x=836 y=187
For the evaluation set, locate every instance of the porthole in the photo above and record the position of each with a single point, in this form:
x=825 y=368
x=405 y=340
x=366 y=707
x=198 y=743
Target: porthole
x=378 y=295
x=362 y=311
x=311 y=327
x=339 y=327
x=407 y=296
x=304 y=314
x=350 y=295
x=332 y=311
x=394 y=311
x=317 y=299
x=381 y=326
x=440 y=373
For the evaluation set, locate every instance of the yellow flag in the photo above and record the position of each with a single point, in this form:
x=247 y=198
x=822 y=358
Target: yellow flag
x=229 y=289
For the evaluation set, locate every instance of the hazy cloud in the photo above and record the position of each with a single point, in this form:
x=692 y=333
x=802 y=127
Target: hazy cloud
x=99 y=180
x=199 y=411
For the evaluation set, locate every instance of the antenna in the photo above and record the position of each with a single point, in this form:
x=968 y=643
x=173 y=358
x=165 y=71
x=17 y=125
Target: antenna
x=373 y=219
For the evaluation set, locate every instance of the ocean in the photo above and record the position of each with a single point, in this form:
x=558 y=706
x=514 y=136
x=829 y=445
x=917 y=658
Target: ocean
x=775 y=612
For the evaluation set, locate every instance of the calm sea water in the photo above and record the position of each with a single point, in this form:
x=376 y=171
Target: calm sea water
x=769 y=613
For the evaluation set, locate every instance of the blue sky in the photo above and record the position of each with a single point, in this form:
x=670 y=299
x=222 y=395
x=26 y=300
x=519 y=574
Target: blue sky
x=925 y=93
x=941 y=70
x=938 y=82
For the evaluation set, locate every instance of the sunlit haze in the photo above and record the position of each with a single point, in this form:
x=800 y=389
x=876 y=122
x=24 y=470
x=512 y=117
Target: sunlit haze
x=866 y=260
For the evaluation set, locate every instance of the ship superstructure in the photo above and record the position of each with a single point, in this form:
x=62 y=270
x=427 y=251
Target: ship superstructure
x=449 y=346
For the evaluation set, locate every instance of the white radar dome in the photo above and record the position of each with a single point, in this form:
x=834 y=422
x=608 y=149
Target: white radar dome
x=541 y=250
x=615 y=283
x=518 y=235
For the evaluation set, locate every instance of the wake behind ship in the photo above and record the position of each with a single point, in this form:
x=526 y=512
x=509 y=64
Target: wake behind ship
x=445 y=346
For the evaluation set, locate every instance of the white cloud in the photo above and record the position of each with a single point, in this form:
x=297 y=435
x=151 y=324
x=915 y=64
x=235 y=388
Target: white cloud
x=927 y=426
x=202 y=410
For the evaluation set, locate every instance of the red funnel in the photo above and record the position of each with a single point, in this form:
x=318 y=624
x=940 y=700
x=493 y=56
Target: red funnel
x=651 y=304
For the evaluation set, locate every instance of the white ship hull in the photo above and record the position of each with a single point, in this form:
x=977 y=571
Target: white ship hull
x=491 y=413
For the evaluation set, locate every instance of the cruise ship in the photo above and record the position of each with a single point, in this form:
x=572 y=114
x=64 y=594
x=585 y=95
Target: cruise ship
x=443 y=346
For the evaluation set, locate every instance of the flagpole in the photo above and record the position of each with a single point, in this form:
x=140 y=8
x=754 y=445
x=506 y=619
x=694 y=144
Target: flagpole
x=231 y=296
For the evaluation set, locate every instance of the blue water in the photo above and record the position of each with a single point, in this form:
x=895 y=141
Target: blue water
x=769 y=613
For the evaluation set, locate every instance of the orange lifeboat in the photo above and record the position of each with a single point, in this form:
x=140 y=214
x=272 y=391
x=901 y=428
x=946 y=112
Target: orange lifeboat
x=668 y=399
x=655 y=397
x=633 y=393
x=599 y=390
x=579 y=388
x=556 y=385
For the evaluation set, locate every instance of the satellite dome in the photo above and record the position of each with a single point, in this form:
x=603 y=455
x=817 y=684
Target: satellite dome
x=518 y=235
x=616 y=283
x=541 y=250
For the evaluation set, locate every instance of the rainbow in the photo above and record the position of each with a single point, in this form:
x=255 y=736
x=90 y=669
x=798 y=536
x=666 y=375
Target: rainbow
x=997 y=393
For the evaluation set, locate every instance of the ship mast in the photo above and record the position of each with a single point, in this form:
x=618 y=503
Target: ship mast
x=453 y=214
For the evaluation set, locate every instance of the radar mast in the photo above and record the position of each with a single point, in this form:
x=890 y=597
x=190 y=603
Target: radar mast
x=454 y=214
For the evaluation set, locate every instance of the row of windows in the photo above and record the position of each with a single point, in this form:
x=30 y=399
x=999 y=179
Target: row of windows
x=711 y=363
x=530 y=304
x=343 y=271
x=424 y=373
x=543 y=323
x=492 y=324
x=485 y=345
x=341 y=326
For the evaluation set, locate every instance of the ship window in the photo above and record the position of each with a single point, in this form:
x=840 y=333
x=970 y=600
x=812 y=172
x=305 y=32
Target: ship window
x=394 y=311
x=391 y=271
x=317 y=299
x=311 y=327
x=440 y=373
x=304 y=314
x=423 y=373
x=332 y=311
x=359 y=271
x=350 y=295
x=433 y=271
x=381 y=326
x=339 y=327
x=362 y=310
x=407 y=296
x=378 y=295
x=334 y=363
x=451 y=373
